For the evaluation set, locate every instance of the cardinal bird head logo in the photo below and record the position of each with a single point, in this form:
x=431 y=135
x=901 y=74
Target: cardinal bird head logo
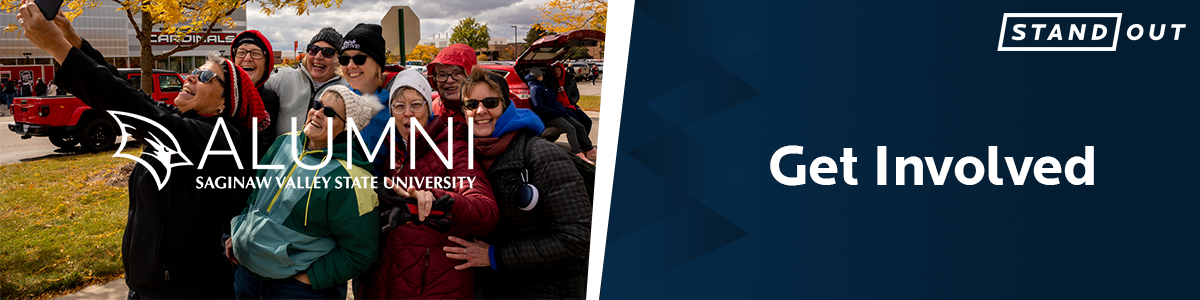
x=163 y=145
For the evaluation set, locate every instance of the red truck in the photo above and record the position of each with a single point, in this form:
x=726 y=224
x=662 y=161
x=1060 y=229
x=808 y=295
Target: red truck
x=67 y=121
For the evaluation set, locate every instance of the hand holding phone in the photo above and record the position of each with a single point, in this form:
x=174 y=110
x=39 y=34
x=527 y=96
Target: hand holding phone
x=49 y=8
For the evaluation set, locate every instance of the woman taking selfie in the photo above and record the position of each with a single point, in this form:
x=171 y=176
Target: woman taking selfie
x=171 y=246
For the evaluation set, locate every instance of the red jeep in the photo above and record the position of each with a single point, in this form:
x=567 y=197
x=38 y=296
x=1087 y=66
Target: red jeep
x=67 y=121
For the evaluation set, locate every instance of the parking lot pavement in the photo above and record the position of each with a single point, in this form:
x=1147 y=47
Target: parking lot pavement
x=14 y=149
x=586 y=87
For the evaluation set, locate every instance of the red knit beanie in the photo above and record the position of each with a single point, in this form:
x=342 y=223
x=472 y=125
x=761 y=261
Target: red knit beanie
x=242 y=101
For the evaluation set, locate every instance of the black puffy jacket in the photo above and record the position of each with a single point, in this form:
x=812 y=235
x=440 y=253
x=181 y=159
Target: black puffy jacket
x=172 y=246
x=539 y=253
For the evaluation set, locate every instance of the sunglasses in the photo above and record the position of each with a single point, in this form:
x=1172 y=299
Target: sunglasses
x=327 y=52
x=328 y=111
x=489 y=102
x=206 y=75
x=358 y=59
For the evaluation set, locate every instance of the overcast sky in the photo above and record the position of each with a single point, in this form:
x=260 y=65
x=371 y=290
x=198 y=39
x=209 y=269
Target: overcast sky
x=437 y=17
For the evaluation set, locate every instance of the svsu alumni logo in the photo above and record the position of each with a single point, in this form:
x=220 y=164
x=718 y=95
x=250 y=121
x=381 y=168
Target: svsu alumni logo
x=1076 y=32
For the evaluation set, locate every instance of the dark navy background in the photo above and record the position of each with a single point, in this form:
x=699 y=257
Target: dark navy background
x=715 y=87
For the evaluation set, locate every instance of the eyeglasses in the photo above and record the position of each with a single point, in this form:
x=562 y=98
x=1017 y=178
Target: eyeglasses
x=253 y=54
x=358 y=59
x=206 y=75
x=458 y=76
x=328 y=52
x=489 y=102
x=416 y=107
x=328 y=111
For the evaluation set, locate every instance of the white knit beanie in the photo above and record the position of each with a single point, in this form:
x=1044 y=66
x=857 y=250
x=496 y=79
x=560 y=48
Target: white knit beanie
x=361 y=108
x=413 y=79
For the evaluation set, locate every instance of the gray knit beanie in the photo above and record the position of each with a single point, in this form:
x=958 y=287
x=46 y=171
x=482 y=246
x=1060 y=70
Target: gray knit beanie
x=328 y=35
x=361 y=108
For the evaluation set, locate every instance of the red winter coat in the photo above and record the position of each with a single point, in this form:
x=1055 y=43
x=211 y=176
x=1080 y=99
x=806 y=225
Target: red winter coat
x=412 y=264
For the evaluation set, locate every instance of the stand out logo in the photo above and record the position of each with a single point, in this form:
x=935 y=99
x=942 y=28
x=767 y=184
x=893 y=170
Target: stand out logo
x=1075 y=32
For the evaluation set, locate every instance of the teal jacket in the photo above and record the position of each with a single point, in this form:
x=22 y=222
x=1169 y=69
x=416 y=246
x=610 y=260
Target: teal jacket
x=329 y=229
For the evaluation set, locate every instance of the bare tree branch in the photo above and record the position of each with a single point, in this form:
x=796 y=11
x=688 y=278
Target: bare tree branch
x=129 y=14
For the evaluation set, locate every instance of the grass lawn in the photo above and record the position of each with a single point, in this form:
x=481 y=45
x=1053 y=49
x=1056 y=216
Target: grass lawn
x=62 y=224
x=589 y=103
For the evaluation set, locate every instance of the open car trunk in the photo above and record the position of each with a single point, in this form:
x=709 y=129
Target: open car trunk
x=552 y=48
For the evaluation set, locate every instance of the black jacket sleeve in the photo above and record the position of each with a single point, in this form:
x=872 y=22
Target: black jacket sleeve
x=564 y=203
x=98 y=86
x=572 y=90
x=98 y=57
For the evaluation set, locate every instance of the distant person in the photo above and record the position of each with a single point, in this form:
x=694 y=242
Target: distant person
x=26 y=88
x=569 y=97
x=554 y=114
x=10 y=91
x=595 y=74
x=52 y=90
x=39 y=89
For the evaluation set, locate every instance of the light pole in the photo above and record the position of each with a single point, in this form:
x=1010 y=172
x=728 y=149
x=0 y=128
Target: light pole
x=27 y=54
x=222 y=53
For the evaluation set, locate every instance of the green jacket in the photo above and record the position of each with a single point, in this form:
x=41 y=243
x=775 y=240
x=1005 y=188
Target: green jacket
x=326 y=228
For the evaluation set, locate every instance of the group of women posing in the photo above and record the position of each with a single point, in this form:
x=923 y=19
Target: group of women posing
x=520 y=231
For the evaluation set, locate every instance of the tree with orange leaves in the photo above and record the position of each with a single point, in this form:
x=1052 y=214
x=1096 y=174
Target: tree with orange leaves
x=567 y=15
x=423 y=53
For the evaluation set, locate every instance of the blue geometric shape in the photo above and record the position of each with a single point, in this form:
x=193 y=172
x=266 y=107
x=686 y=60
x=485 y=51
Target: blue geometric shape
x=665 y=245
x=649 y=126
x=704 y=29
x=653 y=74
x=635 y=215
x=688 y=164
x=711 y=93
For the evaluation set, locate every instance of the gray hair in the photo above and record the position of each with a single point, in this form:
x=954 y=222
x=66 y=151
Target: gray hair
x=215 y=57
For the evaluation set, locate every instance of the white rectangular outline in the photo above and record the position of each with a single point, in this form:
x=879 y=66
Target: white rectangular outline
x=1116 y=31
x=616 y=58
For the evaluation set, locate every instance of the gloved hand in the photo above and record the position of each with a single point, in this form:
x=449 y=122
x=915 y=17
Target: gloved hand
x=395 y=217
x=404 y=210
